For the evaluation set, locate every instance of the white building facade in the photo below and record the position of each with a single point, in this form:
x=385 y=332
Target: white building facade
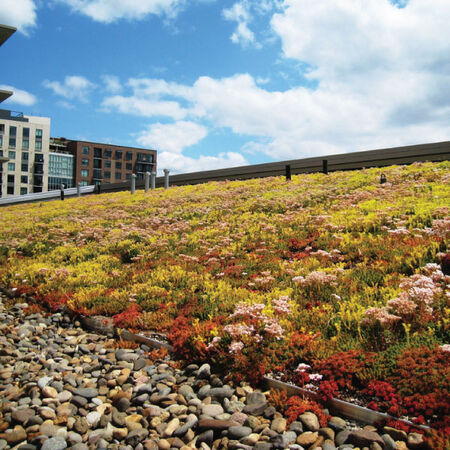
x=24 y=141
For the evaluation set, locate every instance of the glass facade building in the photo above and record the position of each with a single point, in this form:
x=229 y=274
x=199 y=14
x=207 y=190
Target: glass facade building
x=60 y=170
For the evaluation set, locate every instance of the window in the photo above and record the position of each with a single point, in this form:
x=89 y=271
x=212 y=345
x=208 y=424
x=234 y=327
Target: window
x=107 y=164
x=24 y=167
x=118 y=154
x=12 y=137
x=38 y=180
x=83 y=183
x=97 y=163
x=11 y=155
x=118 y=176
x=129 y=166
x=1 y=141
x=37 y=188
x=107 y=153
x=118 y=165
x=97 y=152
x=24 y=179
x=25 y=156
x=39 y=158
x=23 y=191
x=38 y=133
x=2 y=128
x=38 y=145
x=10 y=179
x=10 y=190
x=107 y=174
x=84 y=162
x=26 y=138
x=11 y=166
x=85 y=150
x=97 y=173
x=128 y=176
x=129 y=156
x=84 y=173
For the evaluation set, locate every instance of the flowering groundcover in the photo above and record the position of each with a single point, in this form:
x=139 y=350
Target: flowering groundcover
x=335 y=282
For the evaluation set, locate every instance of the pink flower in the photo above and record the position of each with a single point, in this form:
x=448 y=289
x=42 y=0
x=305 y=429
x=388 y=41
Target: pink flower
x=236 y=347
x=302 y=367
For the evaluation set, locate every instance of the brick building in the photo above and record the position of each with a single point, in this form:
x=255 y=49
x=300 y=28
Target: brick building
x=97 y=163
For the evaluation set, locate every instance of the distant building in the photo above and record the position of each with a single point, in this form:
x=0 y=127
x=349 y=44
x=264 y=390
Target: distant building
x=99 y=163
x=24 y=141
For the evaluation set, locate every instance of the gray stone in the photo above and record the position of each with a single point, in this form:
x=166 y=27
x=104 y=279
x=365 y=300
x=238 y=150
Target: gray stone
x=364 y=438
x=255 y=398
x=204 y=372
x=221 y=392
x=389 y=443
x=136 y=436
x=238 y=432
x=415 y=441
x=23 y=415
x=310 y=421
x=263 y=446
x=284 y=440
x=206 y=437
x=79 y=401
x=87 y=392
x=255 y=409
x=297 y=427
x=54 y=443
x=44 y=381
x=139 y=364
x=341 y=437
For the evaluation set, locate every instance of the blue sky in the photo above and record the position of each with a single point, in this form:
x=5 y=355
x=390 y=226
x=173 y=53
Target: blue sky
x=212 y=83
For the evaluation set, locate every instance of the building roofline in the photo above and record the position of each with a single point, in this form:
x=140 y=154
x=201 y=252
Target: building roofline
x=6 y=32
x=4 y=95
x=104 y=144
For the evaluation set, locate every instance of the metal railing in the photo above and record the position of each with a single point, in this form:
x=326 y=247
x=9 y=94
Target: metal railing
x=439 y=151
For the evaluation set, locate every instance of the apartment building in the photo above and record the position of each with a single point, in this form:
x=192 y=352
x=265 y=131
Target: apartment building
x=24 y=142
x=99 y=163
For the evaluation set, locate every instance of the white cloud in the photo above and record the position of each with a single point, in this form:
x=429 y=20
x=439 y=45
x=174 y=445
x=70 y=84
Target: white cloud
x=172 y=137
x=108 y=11
x=19 y=96
x=18 y=13
x=111 y=83
x=74 y=87
x=179 y=163
x=240 y=13
x=382 y=79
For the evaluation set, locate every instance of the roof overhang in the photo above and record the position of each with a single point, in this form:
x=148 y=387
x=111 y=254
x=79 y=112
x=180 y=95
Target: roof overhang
x=5 y=32
x=4 y=95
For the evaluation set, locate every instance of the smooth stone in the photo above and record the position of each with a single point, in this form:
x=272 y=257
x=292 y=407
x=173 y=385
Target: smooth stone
x=255 y=409
x=278 y=425
x=79 y=401
x=22 y=415
x=18 y=434
x=93 y=418
x=341 y=437
x=215 y=424
x=204 y=372
x=221 y=392
x=397 y=435
x=389 y=443
x=297 y=427
x=171 y=427
x=282 y=441
x=238 y=432
x=86 y=392
x=415 y=441
x=212 y=410
x=327 y=433
x=49 y=392
x=139 y=364
x=64 y=396
x=364 y=438
x=185 y=390
x=44 y=381
x=307 y=438
x=263 y=446
x=255 y=398
x=328 y=445
x=136 y=436
x=206 y=437
x=47 y=413
x=55 y=443
x=310 y=421
x=337 y=424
